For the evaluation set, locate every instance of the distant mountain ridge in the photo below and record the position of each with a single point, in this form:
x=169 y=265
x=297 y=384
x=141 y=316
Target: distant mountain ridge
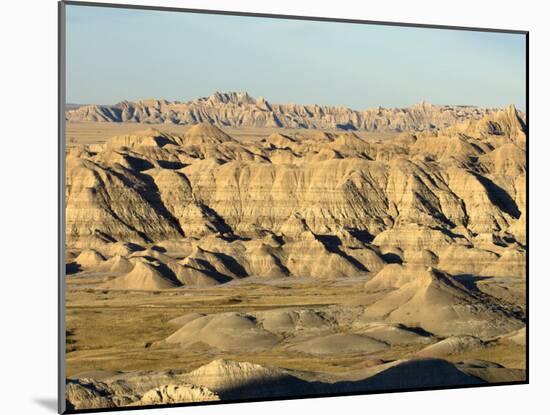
x=240 y=110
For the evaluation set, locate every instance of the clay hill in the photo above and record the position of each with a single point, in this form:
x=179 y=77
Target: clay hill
x=239 y=110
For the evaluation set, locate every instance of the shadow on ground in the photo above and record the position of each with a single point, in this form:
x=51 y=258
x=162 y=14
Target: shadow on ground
x=48 y=403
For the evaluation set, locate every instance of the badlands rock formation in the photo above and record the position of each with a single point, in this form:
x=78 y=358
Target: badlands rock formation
x=167 y=394
x=226 y=380
x=373 y=255
x=452 y=201
x=238 y=109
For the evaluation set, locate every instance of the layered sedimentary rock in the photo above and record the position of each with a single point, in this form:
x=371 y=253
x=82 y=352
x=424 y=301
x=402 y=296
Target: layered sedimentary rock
x=238 y=109
x=335 y=205
x=169 y=394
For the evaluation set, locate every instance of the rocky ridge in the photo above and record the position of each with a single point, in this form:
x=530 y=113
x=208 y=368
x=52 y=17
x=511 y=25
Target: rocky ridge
x=240 y=110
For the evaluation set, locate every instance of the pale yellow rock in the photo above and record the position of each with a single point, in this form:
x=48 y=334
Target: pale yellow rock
x=87 y=394
x=452 y=197
x=425 y=297
x=205 y=133
x=221 y=375
x=451 y=345
x=414 y=237
x=482 y=213
x=90 y=259
x=238 y=109
x=512 y=263
x=227 y=331
x=170 y=394
x=143 y=277
x=116 y=265
x=149 y=137
x=457 y=259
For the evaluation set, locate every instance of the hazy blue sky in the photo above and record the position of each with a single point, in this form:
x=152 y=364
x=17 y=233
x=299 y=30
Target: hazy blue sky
x=117 y=54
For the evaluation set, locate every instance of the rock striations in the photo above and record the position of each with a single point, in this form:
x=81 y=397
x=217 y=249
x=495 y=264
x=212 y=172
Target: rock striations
x=239 y=110
x=336 y=205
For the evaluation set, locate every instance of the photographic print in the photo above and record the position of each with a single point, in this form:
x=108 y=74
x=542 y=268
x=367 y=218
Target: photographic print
x=265 y=207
